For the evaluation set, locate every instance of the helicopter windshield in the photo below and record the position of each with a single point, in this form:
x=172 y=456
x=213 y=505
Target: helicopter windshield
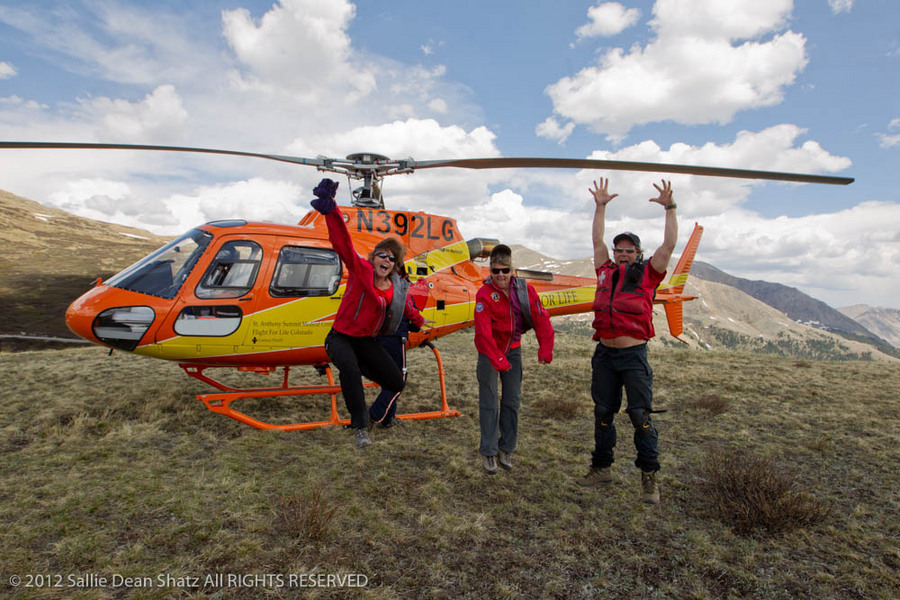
x=164 y=272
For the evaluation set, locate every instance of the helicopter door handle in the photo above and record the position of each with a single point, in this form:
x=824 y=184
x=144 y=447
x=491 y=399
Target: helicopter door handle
x=248 y=298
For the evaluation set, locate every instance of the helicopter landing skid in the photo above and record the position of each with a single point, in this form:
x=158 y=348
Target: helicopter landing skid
x=220 y=402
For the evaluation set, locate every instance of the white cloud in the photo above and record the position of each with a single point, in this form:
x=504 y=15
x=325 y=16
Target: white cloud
x=159 y=116
x=839 y=6
x=607 y=19
x=399 y=139
x=300 y=46
x=551 y=130
x=807 y=252
x=255 y=199
x=438 y=105
x=506 y=217
x=700 y=45
x=7 y=70
x=889 y=140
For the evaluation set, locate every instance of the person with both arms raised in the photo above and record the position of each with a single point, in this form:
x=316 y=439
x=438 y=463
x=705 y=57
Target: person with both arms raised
x=623 y=320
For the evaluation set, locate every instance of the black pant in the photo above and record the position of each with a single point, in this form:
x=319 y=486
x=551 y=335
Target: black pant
x=385 y=406
x=356 y=357
x=612 y=370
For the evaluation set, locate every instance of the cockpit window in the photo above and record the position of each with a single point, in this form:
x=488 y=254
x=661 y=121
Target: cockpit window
x=164 y=272
x=306 y=272
x=232 y=272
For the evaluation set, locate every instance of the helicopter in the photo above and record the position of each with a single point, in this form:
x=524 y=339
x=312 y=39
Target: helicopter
x=261 y=296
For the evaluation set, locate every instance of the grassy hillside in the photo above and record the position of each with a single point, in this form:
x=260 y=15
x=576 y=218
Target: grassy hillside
x=51 y=257
x=111 y=466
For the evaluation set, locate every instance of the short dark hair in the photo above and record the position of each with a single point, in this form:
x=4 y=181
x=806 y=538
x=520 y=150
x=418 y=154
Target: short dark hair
x=501 y=254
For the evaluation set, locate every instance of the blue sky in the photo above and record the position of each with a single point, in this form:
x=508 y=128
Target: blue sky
x=759 y=84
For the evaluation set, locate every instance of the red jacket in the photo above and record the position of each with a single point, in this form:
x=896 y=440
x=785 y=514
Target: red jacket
x=622 y=307
x=363 y=310
x=495 y=323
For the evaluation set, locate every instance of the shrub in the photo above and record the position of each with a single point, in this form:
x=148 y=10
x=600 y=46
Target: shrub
x=711 y=402
x=752 y=496
x=306 y=514
x=564 y=409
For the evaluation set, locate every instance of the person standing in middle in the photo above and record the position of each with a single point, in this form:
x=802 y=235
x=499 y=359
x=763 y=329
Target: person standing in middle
x=505 y=308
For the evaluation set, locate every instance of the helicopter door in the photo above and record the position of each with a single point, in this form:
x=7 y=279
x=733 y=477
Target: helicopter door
x=304 y=287
x=207 y=320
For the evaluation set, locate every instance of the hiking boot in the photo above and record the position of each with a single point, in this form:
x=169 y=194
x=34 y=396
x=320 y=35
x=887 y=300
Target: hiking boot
x=392 y=423
x=503 y=460
x=362 y=438
x=489 y=463
x=596 y=477
x=650 y=490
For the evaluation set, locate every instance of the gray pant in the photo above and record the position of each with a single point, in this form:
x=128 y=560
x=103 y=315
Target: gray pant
x=499 y=420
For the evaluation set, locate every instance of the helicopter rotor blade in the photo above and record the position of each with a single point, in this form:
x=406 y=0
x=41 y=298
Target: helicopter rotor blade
x=619 y=165
x=360 y=165
x=316 y=162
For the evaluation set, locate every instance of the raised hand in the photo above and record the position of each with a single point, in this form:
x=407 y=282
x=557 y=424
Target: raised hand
x=601 y=196
x=665 y=193
x=324 y=192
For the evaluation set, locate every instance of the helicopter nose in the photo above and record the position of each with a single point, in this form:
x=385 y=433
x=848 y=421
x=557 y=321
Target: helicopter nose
x=91 y=318
x=80 y=316
x=78 y=324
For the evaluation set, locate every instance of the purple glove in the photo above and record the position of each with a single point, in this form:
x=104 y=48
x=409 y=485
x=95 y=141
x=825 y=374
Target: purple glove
x=324 y=202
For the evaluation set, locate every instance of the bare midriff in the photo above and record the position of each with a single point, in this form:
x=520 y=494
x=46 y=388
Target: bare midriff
x=622 y=341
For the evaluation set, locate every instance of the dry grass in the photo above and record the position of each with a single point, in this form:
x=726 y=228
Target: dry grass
x=111 y=466
x=712 y=403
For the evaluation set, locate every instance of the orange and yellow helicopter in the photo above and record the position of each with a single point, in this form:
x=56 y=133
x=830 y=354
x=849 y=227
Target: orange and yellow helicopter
x=261 y=296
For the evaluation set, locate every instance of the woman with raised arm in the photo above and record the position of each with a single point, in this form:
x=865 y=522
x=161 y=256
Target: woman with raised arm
x=372 y=305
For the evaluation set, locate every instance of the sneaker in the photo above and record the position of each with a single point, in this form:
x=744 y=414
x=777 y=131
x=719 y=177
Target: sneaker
x=392 y=423
x=650 y=490
x=503 y=459
x=489 y=463
x=596 y=477
x=362 y=438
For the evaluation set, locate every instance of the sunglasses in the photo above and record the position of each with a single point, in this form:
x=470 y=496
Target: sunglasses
x=625 y=250
x=386 y=255
x=504 y=270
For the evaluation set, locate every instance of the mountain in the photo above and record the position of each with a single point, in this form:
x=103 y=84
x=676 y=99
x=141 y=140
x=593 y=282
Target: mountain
x=884 y=322
x=51 y=257
x=796 y=305
x=724 y=315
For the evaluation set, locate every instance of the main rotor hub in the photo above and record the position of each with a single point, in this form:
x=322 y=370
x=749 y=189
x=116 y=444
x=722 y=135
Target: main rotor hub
x=371 y=167
x=367 y=158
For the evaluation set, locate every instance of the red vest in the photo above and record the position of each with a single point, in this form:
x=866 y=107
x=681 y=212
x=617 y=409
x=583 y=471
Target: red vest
x=623 y=307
